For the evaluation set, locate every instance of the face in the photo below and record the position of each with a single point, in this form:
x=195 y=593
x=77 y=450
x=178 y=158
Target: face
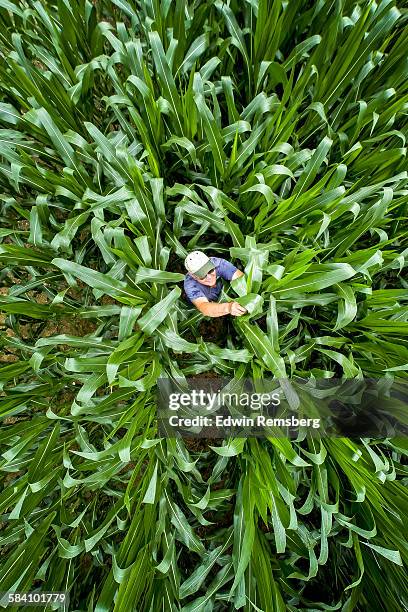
x=210 y=280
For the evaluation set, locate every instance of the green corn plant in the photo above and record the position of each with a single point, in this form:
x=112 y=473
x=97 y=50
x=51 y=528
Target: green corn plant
x=272 y=134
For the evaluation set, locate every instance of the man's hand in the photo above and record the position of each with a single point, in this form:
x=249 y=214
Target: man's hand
x=217 y=309
x=236 y=310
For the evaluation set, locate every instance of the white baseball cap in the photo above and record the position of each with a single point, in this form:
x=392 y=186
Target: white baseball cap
x=199 y=264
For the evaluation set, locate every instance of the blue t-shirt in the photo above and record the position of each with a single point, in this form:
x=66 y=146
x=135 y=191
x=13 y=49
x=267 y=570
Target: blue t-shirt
x=194 y=289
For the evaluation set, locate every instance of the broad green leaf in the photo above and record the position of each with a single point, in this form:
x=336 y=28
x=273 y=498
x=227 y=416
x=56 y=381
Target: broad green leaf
x=97 y=280
x=157 y=313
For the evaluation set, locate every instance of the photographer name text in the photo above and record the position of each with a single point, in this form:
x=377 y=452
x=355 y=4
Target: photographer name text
x=258 y=420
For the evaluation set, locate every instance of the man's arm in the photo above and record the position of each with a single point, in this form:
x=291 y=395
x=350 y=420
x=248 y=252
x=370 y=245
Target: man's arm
x=237 y=274
x=215 y=309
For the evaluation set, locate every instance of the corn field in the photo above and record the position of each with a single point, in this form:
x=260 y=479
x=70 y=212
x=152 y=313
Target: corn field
x=272 y=134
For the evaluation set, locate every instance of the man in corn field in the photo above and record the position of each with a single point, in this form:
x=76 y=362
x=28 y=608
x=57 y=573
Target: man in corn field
x=203 y=284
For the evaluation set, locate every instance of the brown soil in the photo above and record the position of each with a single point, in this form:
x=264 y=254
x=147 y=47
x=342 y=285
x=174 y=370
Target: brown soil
x=24 y=224
x=40 y=297
x=72 y=326
x=8 y=358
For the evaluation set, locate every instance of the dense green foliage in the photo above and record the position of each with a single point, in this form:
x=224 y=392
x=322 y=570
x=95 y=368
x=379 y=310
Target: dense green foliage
x=272 y=133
